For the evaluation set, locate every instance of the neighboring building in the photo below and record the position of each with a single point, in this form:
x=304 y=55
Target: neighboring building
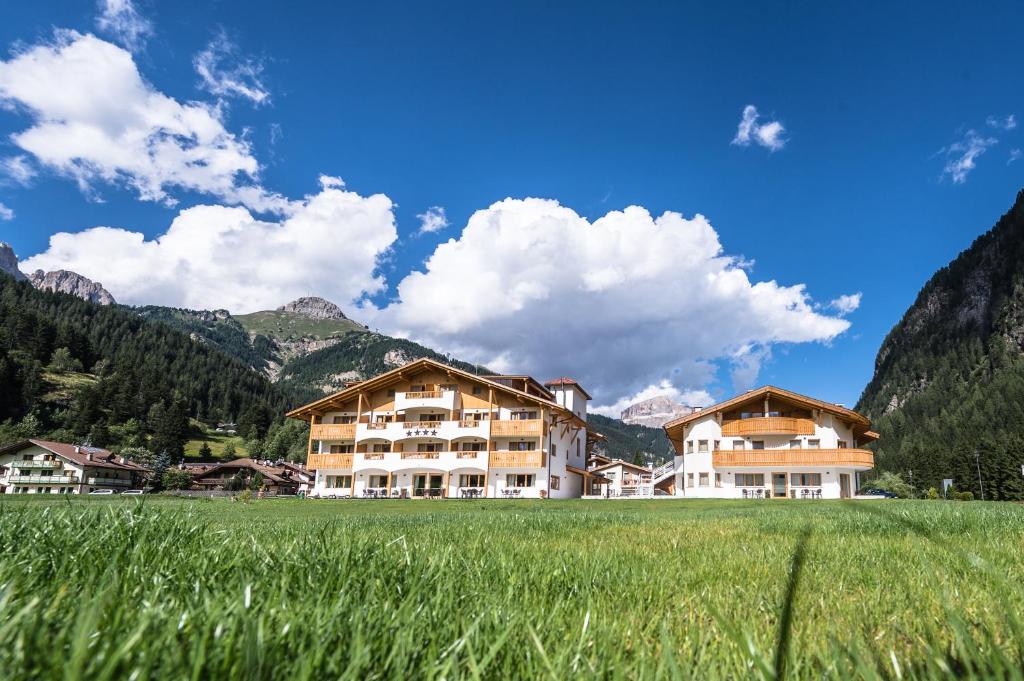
x=428 y=429
x=43 y=467
x=275 y=478
x=770 y=443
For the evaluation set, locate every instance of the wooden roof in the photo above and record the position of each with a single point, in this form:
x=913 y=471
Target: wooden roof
x=82 y=456
x=620 y=462
x=306 y=412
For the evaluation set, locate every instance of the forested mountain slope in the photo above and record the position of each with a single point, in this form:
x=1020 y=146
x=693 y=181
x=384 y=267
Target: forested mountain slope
x=627 y=441
x=947 y=395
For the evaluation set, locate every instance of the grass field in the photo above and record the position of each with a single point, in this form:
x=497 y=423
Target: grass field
x=200 y=589
x=217 y=442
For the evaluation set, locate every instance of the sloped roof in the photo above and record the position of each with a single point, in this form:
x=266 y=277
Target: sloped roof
x=620 y=462
x=769 y=390
x=101 y=458
x=306 y=411
x=274 y=474
x=565 y=380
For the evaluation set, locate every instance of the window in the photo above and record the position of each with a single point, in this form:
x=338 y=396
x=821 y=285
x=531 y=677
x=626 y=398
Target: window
x=794 y=444
x=718 y=479
x=689 y=446
x=391 y=392
x=703 y=479
x=344 y=481
x=428 y=447
x=523 y=415
x=757 y=444
x=750 y=479
x=577 y=448
x=751 y=415
x=814 y=444
x=417 y=388
x=805 y=479
x=739 y=444
x=431 y=418
x=521 y=446
x=477 y=390
x=342 y=449
x=556 y=482
x=378 y=481
x=344 y=418
x=471 y=480
x=450 y=387
x=519 y=480
x=689 y=479
x=702 y=445
x=842 y=444
x=383 y=418
x=717 y=445
x=380 y=448
x=554 y=450
x=480 y=416
x=472 y=447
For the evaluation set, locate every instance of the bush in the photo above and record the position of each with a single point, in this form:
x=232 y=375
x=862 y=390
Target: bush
x=61 y=361
x=245 y=496
x=174 y=478
x=893 y=482
x=963 y=496
x=933 y=493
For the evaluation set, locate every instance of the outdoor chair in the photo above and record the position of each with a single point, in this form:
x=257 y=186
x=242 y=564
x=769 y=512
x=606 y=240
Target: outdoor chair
x=744 y=493
x=817 y=494
x=803 y=494
x=759 y=493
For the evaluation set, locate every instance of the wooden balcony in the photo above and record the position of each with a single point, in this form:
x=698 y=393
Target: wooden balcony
x=334 y=431
x=512 y=459
x=420 y=425
x=742 y=458
x=514 y=428
x=472 y=423
x=421 y=455
x=768 y=425
x=423 y=395
x=321 y=461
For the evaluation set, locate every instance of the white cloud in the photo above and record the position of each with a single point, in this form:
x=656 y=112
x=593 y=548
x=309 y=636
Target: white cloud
x=845 y=304
x=17 y=169
x=768 y=135
x=225 y=73
x=122 y=21
x=95 y=119
x=621 y=303
x=222 y=257
x=1015 y=155
x=1008 y=123
x=961 y=156
x=690 y=398
x=6 y=213
x=432 y=220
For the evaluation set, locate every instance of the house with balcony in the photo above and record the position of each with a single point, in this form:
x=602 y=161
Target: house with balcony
x=245 y=473
x=770 y=443
x=44 y=467
x=430 y=430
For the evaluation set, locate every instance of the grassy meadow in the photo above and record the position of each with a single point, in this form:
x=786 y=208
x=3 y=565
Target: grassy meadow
x=291 y=589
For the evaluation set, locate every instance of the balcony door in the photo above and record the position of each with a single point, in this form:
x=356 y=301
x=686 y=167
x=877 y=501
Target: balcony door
x=779 y=485
x=427 y=484
x=844 y=485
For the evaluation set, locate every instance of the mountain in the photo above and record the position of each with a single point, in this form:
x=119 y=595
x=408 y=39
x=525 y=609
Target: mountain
x=655 y=412
x=61 y=281
x=947 y=394
x=626 y=441
x=9 y=262
x=72 y=283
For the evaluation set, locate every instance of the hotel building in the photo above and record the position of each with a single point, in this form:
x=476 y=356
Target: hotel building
x=770 y=443
x=429 y=430
x=43 y=467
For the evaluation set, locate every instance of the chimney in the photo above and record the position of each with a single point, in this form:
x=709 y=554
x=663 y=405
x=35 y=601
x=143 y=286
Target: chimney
x=78 y=450
x=88 y=457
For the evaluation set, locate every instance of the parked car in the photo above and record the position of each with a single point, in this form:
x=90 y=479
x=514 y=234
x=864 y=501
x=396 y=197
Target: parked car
x=132 y=492
x=101 y=492
x=874 y=492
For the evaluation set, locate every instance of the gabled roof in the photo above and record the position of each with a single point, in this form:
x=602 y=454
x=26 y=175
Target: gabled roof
x=278 y=475
x=620 y=462
x=81 y=456
x=565 y=380
x=389 y=377
x=769 y=390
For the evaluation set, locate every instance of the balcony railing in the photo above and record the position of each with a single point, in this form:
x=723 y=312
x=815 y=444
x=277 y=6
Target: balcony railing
x=855 y=458
x=471 y=423
x=37 y=464
x=517 y=428
x=379 y=425
x=423 y=395
x=334 y=431
x=421 y=425
x=768 y=425
x=44 y=480
x=421 y=455
x=469 y=454
x=514 y=459
x=373 y=456
x=109 y=482
x=321 y=461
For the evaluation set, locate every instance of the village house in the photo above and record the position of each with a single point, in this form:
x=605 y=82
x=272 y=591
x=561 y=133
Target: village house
x=429 y=430
x=43 y=467
x=770 y=443
x=247 y=473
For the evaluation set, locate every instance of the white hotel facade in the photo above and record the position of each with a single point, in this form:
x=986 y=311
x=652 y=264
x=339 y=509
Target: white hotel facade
x=770 y=443
x=430 y=430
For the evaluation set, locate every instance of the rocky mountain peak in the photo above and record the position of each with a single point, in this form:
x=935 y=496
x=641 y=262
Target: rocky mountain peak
x=72 y=283
x=9 y=262
x=314 y=308
x=654 y=412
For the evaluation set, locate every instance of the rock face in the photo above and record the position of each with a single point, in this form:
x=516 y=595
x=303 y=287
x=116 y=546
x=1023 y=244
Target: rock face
x=9 y=262
x=654 y=412
x=314 y=307
x=63 y=281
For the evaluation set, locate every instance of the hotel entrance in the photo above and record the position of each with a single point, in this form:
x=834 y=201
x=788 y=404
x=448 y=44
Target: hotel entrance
x=427 y=484
x=779 y=485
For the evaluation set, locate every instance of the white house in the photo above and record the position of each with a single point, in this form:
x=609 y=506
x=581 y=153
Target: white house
x=43 y=467
x=429 y=430
x=770 y=443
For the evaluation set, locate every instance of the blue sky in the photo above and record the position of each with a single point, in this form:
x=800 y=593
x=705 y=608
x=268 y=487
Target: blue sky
x=599 y=107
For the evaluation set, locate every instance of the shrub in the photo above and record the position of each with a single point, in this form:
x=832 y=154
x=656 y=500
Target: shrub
x=893 y=482
x=174 y=478
x=963 y=496
x=933 y=493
